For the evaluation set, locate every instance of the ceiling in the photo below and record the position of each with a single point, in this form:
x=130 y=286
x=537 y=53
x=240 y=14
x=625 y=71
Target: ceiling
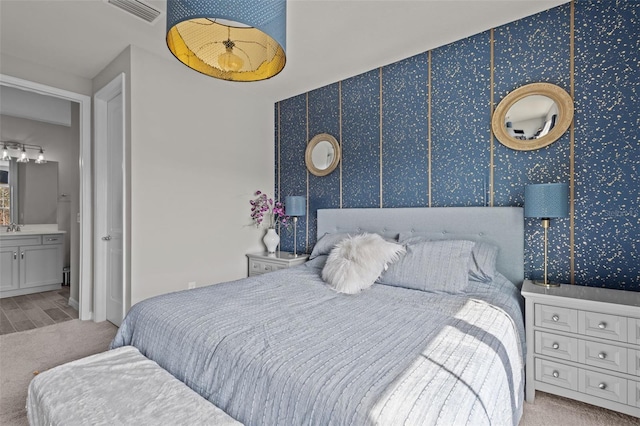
x=327 y=41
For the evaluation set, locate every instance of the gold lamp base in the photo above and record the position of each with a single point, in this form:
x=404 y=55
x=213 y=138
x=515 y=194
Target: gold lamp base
x=545 y=284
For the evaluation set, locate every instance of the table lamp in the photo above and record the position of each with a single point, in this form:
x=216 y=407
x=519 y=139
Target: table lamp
x=546 y=201
x=295 y=206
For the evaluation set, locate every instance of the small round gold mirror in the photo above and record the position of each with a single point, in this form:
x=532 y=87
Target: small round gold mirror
x=532 y=116
x=322 y=155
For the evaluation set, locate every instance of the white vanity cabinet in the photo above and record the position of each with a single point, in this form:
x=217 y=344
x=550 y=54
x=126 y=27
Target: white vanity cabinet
x=30 y=263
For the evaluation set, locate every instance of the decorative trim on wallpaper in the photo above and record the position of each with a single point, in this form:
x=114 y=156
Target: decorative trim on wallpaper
x=380 y=118
x=279 y=164
x=306 y=237
x=339 y=136
x=429 y=126
x=491 y=109
x=572 y=278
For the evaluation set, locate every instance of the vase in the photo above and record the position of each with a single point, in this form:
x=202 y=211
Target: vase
x=271 y=240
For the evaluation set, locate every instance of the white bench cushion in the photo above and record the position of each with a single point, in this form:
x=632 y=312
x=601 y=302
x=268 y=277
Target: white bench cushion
x=117 y=387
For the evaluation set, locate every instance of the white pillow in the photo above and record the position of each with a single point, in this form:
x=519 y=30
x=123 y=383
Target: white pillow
x=355 y=263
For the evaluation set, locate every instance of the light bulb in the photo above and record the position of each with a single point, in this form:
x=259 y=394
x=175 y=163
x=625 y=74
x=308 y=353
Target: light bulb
x=23 y=157
x=5 y=154
x=40 y=159
x=229 y=61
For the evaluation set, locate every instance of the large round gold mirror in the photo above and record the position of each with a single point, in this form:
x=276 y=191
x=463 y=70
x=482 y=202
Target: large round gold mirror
x=532 y=116
x=322 y=155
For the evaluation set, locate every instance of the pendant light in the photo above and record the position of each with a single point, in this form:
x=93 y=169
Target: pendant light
x=236 y=40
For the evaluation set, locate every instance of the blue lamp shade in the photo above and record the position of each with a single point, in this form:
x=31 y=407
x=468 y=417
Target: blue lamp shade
x=546 y=200
x=295 y=205
x=237 y=40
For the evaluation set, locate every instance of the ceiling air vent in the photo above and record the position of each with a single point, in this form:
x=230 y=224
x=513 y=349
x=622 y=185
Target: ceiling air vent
x=137 y=8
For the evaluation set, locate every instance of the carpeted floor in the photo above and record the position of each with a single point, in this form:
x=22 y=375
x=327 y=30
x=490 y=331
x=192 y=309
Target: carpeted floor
x=23 y=353
x=37 y=350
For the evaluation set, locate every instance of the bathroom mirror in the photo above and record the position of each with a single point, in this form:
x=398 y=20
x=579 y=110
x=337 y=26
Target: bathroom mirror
x=33 y=192
x=532 y=116
x=322 y=155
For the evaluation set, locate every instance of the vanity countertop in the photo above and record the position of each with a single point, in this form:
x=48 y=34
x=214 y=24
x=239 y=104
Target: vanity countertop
x=31 y=230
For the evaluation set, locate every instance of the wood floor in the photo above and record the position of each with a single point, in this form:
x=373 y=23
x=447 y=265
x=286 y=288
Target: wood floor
x=29 y=311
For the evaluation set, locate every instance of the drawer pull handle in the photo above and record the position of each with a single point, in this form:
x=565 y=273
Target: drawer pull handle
x=555 y=374
x=602 y=386
x=555 y=318
x=555 y=346
x=15 y=255
x=602 y=355
x=602 y=325
x=52 y=239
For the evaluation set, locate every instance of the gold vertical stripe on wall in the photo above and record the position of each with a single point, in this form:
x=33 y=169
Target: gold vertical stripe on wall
x=491 y=141
x=340 y=135
x=278 y=150
x=380 y=114
x=429 y=127
x=306 y=241
x=572 y=146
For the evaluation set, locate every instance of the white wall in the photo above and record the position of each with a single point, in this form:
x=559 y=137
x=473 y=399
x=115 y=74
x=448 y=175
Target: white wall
x=15 y=67
x=200 y=147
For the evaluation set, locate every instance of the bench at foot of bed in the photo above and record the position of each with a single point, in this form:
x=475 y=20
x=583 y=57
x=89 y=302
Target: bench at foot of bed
x=118 y=387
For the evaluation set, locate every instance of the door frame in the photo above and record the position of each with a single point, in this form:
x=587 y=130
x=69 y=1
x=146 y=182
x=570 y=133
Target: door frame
x=100 y=101
x=86 y=214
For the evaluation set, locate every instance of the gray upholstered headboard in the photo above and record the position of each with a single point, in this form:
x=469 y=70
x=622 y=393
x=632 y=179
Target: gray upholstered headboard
x=502 y=226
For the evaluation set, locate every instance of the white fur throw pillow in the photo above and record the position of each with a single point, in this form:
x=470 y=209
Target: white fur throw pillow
x=356 y=262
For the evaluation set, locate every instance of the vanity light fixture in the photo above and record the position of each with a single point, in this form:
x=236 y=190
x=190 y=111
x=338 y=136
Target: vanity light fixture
x=546 y=201
x=295 y=206
x=235 y=40
x=22 y=156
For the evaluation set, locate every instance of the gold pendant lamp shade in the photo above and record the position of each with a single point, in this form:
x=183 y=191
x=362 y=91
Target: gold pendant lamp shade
x=236 y=40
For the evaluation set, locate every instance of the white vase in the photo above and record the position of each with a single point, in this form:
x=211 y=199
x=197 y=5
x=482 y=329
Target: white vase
x=271 y=240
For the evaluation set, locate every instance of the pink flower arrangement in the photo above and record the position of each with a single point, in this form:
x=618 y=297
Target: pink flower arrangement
x=263 y=207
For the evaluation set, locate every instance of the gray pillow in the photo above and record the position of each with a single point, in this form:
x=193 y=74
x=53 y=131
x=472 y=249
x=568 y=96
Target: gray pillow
x=438 y=266
x=326 y=243
x=484 y=256
x=329 y=240
x=482 y=266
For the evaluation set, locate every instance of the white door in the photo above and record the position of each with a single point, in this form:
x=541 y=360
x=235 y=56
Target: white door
x=110 y=277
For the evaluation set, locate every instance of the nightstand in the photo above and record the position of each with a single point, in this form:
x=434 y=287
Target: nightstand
x=584 y=343
x=261 y=263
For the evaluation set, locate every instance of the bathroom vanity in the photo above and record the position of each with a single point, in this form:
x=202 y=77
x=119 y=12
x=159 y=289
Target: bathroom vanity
x=30 y=261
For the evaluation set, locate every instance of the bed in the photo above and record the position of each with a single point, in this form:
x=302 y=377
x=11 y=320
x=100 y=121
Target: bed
x=284 y=349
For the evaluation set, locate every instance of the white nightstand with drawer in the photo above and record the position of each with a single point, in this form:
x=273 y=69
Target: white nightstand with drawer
x=584 y=343
x=261 y=263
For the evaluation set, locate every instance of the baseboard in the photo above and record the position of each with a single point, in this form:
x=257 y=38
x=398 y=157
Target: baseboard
x=74 y=304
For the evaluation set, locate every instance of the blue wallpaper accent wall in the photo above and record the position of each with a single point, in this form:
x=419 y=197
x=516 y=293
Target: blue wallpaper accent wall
x=607 y=152
x=405 y=133
x=461 y=118
x=534 y=49
x=398 y=153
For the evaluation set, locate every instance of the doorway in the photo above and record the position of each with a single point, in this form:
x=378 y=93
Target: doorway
x=85 y=273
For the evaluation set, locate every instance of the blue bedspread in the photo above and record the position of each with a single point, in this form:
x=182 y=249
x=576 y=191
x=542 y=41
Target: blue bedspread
x=284 y=349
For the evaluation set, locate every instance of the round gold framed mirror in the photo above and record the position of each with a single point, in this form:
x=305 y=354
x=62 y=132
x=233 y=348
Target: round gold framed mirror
x=532 y=116
x=322 y=155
